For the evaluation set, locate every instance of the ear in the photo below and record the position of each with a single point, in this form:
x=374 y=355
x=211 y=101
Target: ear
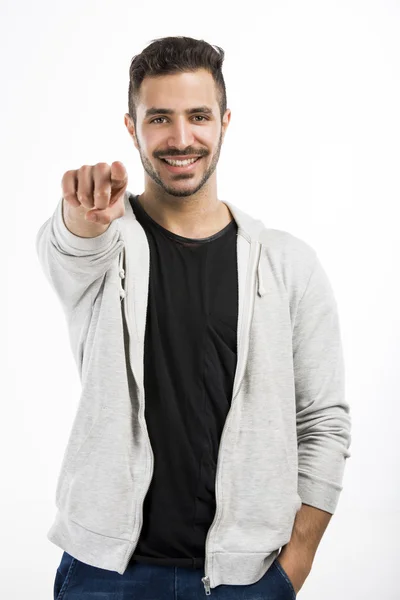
x=131 y=128
x=225 y=122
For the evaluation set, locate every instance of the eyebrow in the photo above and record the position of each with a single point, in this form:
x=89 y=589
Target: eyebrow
x=168 y=111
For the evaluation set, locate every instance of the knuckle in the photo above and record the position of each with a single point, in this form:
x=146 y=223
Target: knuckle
x=101 y=195
x=67 y=177
x=104 y=218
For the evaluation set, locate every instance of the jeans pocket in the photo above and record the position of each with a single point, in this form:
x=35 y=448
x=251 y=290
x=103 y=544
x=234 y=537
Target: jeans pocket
x=63 y=575
x=285 y=577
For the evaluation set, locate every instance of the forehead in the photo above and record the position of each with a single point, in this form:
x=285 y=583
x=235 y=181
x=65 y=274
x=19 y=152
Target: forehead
x=178 y=91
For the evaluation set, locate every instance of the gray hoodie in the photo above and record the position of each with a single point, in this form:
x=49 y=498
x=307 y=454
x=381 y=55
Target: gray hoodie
x=286 y=436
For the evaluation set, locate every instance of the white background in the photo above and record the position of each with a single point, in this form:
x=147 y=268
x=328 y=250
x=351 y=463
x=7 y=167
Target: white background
x=312 y=148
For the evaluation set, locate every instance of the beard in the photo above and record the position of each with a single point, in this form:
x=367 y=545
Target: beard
x=177 y=189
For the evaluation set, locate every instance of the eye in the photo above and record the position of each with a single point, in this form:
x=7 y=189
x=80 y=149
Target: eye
x=196 y=117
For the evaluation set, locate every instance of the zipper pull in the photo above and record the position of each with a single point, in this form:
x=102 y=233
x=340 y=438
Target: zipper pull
x=206 y=581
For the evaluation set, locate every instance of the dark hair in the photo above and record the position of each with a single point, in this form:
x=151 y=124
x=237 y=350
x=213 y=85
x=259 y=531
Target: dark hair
x=169 y=55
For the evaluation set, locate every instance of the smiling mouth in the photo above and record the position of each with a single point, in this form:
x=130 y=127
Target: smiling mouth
x=181 y=168
x=192 y=159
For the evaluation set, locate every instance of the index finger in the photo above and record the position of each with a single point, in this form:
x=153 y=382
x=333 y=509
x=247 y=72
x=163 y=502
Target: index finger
x=119 y=175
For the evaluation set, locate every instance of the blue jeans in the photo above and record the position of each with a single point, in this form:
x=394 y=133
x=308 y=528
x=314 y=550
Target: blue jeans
x=76 y=580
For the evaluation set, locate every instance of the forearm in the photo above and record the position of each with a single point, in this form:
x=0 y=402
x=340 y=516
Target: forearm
x=297 y=556
x=308 y=529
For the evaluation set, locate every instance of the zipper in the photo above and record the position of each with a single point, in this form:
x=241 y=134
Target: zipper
x=206 y=581
x=141 y=419
x=247 y=312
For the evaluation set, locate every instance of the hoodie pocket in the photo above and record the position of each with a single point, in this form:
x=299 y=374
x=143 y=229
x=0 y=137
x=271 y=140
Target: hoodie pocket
x=77 y=460
x=261 y=484
x=90 y=442
x=98 y=489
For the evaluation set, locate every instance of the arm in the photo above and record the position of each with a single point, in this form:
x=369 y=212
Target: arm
x=75 y=265
x=322 y=414
x=323 y=421
x=76 y=268
x=298 y=554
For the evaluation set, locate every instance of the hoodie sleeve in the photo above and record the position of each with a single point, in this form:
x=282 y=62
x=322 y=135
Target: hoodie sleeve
x=322 y=414
x=75 y=266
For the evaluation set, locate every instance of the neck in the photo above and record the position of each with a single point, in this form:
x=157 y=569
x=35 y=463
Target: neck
x=198 y=216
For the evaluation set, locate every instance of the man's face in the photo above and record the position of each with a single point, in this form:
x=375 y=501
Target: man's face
x=161 y=134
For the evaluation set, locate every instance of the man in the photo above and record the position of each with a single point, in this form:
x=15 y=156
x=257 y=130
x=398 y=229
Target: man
x=212 y=429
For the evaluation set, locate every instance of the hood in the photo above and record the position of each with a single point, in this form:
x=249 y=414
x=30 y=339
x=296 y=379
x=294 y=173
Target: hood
x=249 y=227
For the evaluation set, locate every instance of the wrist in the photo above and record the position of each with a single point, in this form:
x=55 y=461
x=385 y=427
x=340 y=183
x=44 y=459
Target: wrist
x=298 y=553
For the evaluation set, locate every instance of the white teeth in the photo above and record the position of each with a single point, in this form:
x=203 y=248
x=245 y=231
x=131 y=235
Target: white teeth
x=180 y=163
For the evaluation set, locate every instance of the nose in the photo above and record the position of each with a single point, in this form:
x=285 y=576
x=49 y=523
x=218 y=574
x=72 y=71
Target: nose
x=180 y=134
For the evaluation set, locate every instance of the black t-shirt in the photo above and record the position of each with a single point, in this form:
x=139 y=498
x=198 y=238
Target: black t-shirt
x=189 y=366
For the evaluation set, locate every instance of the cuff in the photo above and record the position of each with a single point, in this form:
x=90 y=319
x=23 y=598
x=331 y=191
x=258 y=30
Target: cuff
x=318 y=492
x=72 y=241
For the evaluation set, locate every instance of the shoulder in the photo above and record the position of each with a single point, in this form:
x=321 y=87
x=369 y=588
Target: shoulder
x=287 y=249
